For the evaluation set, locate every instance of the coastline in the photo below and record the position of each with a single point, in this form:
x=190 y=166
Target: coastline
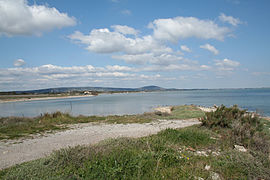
x=42 y=98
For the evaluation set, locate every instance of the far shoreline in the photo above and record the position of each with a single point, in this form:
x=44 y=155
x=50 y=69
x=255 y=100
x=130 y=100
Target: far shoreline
x=66 y=96
x=42 y=98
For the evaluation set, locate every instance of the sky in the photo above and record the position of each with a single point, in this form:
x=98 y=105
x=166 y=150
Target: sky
x=134 y=43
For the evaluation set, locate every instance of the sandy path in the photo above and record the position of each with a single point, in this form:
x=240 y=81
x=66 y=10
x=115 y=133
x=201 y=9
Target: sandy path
x=81 y=134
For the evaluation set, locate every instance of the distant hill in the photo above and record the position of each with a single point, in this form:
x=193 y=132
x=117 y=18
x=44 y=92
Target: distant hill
x=100 y=89
x=151 y=88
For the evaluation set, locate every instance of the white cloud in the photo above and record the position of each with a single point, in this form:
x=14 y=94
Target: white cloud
x=205 y=67
x=149 y=58
x=154 y=50
x=126 y=12
x=19 y=18
x=185 y=48
x=210 y=48
x=229 y=19
x=19 y=62
x=226 y=65
x=138 y=59
x=106 y=41
x=173 y=29
x=124 y=29
x=176 y=67
x=102 y=40
x=57 y=76
x=56 y=72
x=119 y=68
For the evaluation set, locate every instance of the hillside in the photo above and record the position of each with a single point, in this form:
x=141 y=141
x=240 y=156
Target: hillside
x=100 y=89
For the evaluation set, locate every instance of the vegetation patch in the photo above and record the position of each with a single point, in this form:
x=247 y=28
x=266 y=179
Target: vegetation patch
x=182 y=112
x=170 y=154
x=16 y=127
x=201 y=151
x=241 y=127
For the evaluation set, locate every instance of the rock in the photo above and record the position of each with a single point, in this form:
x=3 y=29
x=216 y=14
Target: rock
x=215 y=176
x=166 y=110
x=215 y=153
x=207 y=168
x=201 y=153
x=240 y=148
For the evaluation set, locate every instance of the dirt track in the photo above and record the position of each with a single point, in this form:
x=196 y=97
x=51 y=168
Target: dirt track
x=80 y=134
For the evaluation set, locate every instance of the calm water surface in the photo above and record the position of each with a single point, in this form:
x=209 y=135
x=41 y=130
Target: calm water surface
x=134 y=103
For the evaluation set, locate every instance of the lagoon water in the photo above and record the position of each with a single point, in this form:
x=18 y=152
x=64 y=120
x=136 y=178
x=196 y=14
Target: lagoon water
x=134 y=103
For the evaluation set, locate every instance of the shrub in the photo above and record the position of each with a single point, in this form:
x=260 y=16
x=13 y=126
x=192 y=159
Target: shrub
x=243 y=127
x=223 y=117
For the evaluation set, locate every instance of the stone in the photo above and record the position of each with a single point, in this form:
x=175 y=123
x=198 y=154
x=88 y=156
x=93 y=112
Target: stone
x=207 y=167
x=240 y=148
x=215 y=176
x=201 y=153
x=215 y=153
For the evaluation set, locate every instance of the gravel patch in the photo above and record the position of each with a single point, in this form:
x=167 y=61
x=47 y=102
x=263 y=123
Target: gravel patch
x=12 y=153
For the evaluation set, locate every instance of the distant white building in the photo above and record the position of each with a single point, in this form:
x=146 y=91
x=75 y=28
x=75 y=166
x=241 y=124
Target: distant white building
x=86 y=92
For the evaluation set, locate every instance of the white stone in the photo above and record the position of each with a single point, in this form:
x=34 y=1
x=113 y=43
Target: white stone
x=201 y=153
x=215 y=176
x=207 y=168
x=240 y=148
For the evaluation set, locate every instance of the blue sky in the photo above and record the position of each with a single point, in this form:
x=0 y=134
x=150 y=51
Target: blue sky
x=133 y=43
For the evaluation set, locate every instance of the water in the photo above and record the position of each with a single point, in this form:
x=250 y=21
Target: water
x=135 y=103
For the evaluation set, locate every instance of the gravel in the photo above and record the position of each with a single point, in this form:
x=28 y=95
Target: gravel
x=12 y=152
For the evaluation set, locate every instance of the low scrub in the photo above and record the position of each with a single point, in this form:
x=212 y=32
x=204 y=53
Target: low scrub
x=244 y=128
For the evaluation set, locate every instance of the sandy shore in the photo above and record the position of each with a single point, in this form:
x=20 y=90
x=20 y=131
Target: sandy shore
x=12 y=152
x=42 y=98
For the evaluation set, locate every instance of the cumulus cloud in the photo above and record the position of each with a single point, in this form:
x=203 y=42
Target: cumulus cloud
x=124 y=29
x=19 y=18
x=19 y=62
x=229 y=19
x=226 y=64
x=210 y=48
x=155 y=49
x=173 y=29
x=106 y=41
x=185 y=48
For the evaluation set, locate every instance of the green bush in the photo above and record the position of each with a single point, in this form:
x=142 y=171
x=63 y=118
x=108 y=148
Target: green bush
x=243 y=127
x=223 y=117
